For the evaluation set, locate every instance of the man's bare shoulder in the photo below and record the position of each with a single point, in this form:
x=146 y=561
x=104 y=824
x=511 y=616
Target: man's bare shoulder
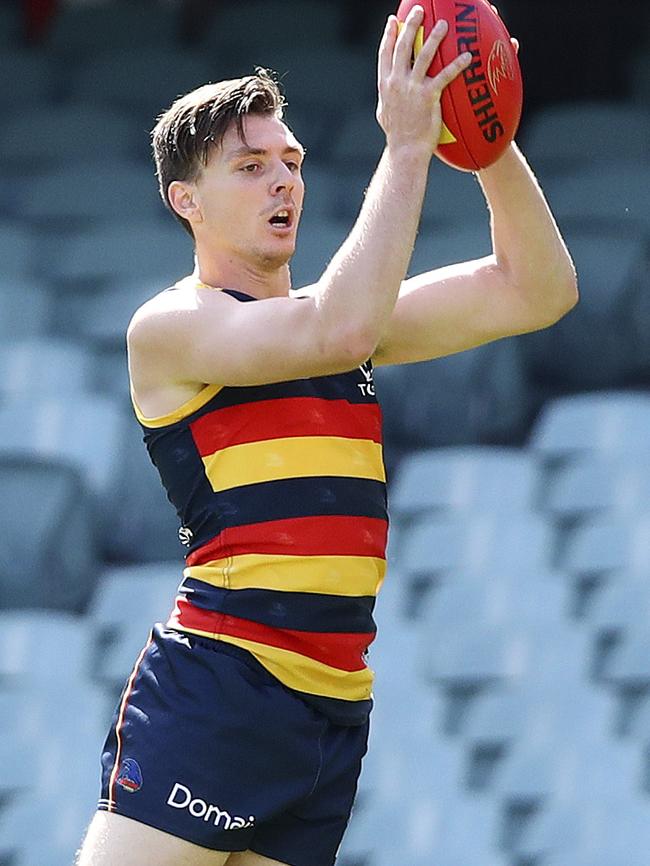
x=170 y=307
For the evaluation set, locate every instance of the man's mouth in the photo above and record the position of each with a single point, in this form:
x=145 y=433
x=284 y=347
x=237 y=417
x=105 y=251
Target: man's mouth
x=282 y=219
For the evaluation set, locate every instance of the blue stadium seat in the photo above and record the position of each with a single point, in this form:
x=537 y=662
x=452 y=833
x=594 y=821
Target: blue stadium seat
x=142 y=525
x=583 y=351
x=607 y=422
x=65 y=636
x=49 y=549
x=44 y=366
x=33 y=78
x=556 y=133
x=86 y=194
x=422 y=408
x=437 y=247
x=60 y=823
x=25 y=308
x=639 y=73
x=67 y=133
x=465 y=479
x=628 y=665
x=276 y=23
x=126 y=604
x=321 y=78
x=145 y=82
x=498 y=543
x=124 y=249
x=358 y=145
x=597 y=484
x=87 y=430
x=609 y=195
x=453 y=198
x=607 y=544
x=19 y=249
x=322 y=186
x=10 y=24
x=483 y=657
x=318 y=240
x=622 y=602
x=102 y=317
x=82 y=30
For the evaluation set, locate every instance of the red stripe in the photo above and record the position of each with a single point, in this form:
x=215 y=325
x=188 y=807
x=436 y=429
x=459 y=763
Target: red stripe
x=332 y=535
x=286 y=417
x=338 y=650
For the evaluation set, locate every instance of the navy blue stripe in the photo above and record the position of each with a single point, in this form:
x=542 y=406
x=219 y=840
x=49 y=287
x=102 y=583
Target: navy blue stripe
x=301 y=497
x=299 y=611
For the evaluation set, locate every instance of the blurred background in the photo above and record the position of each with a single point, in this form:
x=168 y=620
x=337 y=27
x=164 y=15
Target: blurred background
x=512 y=725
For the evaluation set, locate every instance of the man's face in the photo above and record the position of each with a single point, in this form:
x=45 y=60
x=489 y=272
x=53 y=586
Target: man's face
x=250 y=194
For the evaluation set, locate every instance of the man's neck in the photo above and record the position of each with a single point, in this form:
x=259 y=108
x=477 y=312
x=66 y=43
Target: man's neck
x=243 y=276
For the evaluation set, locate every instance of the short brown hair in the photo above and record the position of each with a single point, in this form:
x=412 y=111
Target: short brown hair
x=186 y=133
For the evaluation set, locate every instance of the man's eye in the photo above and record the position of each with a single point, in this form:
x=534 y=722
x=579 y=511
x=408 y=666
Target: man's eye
x=251 y=167
x=293 y=166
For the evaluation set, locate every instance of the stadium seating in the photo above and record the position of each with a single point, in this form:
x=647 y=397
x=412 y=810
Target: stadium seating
x=89 y=194
x=606 y=422
x=465 y=479
x=18 y=251
x=131 y=247
x=160 y=82
x=82 y=30
x=67 y=133
x=33 y=78
x=556 y=135
x=48 y=526
x=25 y=308
x=43 y=366
x=595 y=345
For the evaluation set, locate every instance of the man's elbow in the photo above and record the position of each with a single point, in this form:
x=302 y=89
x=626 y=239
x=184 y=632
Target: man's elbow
x=555 y=304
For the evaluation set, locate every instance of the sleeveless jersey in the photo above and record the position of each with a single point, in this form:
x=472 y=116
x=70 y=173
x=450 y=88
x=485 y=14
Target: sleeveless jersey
x=280 y=492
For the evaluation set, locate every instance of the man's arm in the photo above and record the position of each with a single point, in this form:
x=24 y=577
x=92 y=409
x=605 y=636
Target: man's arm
x=528 y=283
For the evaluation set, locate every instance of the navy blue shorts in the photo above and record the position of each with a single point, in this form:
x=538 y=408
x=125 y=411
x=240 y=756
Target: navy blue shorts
x=206 y=745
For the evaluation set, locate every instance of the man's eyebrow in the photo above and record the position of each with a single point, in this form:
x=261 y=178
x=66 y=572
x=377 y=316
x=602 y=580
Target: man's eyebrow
x=245 y=150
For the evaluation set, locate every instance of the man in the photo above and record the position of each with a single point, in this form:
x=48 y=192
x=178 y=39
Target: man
x=239 y=735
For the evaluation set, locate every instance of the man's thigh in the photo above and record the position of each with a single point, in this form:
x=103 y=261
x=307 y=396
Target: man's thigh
x=249 y=858
x=114 y=840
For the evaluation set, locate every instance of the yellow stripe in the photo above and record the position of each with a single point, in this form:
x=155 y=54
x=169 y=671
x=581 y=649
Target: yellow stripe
x=328 y=575
x=295 y=457
x=302 y=673
x=191 y=405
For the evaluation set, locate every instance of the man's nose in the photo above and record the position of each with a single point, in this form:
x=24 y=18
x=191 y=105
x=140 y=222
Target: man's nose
x=284 y=179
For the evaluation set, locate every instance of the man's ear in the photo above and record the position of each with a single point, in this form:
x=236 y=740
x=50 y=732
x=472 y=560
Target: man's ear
x=182 y=197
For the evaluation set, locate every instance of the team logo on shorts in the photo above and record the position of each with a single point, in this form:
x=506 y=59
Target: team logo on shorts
x=130 y=775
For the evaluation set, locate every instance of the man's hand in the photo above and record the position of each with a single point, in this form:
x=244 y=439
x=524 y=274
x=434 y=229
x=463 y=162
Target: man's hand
x=409 y=100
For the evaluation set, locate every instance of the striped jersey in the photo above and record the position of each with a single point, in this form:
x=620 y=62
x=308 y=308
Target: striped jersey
x=280 y=492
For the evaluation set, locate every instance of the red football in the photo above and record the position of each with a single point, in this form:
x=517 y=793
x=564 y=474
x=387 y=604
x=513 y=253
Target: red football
x=481 y=109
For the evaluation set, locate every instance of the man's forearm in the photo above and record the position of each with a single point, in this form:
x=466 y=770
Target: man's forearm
x=363 y=279
x=526 y=240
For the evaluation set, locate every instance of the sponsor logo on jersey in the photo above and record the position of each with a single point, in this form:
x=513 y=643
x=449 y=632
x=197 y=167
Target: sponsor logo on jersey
x=181 y=797
x=185 y=535
x=130 y=775
x=367 y=388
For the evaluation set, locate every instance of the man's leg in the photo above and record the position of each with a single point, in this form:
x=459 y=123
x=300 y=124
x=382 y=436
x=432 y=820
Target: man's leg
x=113 y=840
x=248 y=858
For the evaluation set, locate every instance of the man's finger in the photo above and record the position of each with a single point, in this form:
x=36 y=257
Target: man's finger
x=428 y=52
x=387 y=47
x=403 y=54
x=452 y=70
